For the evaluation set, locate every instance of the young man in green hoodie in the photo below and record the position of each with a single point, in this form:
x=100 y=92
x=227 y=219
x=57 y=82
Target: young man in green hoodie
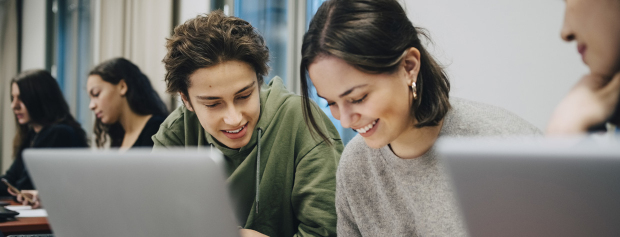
x=217 y=64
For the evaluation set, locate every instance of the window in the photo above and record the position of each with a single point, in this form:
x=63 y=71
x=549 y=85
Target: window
x=269 y=17
x=71 y=54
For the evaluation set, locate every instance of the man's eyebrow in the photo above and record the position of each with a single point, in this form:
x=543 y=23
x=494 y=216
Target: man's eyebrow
x=246 y=87
x=219 y=98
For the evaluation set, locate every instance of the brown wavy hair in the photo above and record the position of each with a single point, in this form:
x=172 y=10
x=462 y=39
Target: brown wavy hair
x=208 y=40
x=372 y=35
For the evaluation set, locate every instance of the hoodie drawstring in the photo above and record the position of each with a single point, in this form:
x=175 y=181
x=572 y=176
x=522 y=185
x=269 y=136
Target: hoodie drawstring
x=260 y=134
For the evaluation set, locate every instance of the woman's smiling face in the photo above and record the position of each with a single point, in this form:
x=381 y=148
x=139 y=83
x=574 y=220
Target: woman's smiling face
x=375 y=105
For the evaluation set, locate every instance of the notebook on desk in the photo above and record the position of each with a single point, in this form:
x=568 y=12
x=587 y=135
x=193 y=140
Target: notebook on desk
x=537 y=187
x=135 y=193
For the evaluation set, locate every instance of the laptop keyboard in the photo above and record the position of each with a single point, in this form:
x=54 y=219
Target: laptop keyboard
x=37 y=235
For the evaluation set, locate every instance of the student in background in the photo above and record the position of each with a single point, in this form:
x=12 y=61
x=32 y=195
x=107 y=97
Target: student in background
x=595 y=25
x=368 y=61
x=127 y=108
x=217 y=64
x=43 y=121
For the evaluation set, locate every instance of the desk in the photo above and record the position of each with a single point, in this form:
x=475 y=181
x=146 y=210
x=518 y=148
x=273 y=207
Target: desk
x=25 y=225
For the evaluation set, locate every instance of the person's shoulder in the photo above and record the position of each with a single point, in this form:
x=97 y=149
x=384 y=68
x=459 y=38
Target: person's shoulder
x=62 y=134
x=468 y=117
x=355 y=155
x=175 y=118
x=61 y=129
x=172 y=130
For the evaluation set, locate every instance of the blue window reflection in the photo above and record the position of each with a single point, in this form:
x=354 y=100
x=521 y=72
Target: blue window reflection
x=269 y=17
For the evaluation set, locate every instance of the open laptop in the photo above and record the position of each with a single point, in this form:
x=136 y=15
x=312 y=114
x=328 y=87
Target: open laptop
x=133 y=193
x=536 y=187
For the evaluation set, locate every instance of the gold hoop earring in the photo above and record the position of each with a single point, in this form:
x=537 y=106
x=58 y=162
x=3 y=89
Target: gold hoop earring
x=414 y=89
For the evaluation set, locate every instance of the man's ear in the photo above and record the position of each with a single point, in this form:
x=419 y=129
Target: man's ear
x=411 y=63
x=186 y=102
x=122 y=86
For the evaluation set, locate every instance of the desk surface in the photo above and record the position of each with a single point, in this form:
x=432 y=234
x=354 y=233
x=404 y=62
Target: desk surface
x=25 y=225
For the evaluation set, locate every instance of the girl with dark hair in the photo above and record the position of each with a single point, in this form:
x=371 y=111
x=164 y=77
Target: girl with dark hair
x=128 y=110
x=368 y=61
x=43 y=120
x=593 y=102
x=282 y=179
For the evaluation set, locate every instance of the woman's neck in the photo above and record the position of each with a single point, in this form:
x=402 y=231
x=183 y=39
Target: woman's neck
x=415 y=142
x=36 y=127
x=131 y=121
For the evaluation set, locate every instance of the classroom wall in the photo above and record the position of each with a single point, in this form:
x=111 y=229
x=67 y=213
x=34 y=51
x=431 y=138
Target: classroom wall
x=189 y=9
x=502 y=52
x=33 y=35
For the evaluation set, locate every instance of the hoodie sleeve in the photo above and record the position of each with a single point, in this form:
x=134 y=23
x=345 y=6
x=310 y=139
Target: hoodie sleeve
x=172 y=131
x=314 y=190
x=166 y=137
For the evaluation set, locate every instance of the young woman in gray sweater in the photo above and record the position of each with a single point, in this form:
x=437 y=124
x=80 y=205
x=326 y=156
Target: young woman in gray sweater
x=366 y=59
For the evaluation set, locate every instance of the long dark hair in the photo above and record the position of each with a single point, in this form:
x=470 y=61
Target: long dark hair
x=372 y=36
x=141 y=97
x=43 y=99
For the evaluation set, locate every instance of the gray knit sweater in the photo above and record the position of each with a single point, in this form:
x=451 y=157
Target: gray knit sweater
x=379 y=194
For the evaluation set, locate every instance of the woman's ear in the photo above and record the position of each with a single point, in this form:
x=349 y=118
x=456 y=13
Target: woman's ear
x=411 y=64
x=122 y=86
x=186 y=102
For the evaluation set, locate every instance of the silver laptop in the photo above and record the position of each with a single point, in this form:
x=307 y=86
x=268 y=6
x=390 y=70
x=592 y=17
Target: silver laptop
x=536 y=187
x=135 y=193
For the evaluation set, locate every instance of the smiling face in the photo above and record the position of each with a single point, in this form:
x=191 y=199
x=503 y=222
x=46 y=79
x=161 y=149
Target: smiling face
x=106 y=99
x=226 y=99
x=377 y=106
x=595 y=25
x=18 y=107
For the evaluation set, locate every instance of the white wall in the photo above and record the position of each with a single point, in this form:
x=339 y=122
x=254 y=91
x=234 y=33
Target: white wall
x=33 y=35
x=502 y=52
x=189 y=9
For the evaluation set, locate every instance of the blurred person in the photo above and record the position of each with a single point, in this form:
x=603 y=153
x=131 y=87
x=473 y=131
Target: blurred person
x=593 y=101
x=128 y=110
x=43 y=120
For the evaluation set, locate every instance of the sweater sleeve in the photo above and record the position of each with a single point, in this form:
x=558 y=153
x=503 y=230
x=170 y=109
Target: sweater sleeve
x=346 y=222
x=314 y=190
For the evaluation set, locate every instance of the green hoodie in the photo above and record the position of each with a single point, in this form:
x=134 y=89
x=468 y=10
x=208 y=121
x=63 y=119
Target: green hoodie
x=297 y=171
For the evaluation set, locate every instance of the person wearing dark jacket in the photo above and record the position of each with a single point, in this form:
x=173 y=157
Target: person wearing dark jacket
x=128 y=109
x=43 y=121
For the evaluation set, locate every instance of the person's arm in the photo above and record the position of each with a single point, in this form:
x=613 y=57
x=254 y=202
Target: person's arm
x=12 y=175
x=592 y=101
x=314 y=190
x=346 y=223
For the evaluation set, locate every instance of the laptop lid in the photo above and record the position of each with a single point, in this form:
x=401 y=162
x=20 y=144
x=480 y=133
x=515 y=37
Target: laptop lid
x=536 y=187
x=133 y=193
